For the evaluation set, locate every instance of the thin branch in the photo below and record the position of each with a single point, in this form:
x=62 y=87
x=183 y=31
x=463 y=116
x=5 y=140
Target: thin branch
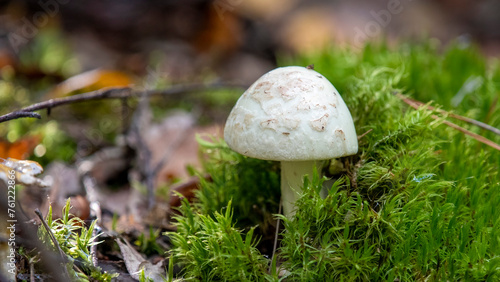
x=28 y=238
x=459 y=117
x=364 y=134
x=93 y=247
x=140 y=120
x=51 y=235
x=21 y=114
x=352 y=170
x=478 y=137
x=89 y=185
x=275 y=243
x=54 y=241
x=32 y=271
x=111 y=93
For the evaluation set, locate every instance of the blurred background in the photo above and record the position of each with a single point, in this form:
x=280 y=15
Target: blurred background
x=56 y=48
x=236 y=40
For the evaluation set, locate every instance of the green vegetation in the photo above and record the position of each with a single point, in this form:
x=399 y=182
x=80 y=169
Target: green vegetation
x=418 y=202
x=147 y=243
x=75 y=240
x=213 y=249
x=253 y=185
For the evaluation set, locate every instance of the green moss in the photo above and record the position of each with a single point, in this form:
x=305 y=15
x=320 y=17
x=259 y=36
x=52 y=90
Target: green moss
x=421 y=203
x=252 y=185
x=419 y=200
x=212 y=249
x=75 y=240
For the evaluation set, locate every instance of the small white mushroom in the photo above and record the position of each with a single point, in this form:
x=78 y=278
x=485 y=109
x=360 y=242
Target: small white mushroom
x=296 y=116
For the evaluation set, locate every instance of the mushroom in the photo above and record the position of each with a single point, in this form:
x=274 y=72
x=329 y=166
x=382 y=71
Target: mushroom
x=296 y=116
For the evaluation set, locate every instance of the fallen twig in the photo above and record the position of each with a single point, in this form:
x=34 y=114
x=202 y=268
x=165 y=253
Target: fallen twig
x=28 y=239
x=478 y=137
x=275 y=243
x=482 y=139
x=111 y=93
x=21 y=114
x=54 y=241
x=140 y=121
x=95 y=209
x=93 y=247
x=52 y=103
x=32 y=271
x=459 y=117
x=364 y=134
x=51 y=235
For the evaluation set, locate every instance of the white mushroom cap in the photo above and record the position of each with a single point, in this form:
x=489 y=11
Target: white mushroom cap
x=291 y=114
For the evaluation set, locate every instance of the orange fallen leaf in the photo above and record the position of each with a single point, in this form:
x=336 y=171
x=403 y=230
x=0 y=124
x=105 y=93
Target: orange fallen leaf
x=20 y=149
x=91 y=81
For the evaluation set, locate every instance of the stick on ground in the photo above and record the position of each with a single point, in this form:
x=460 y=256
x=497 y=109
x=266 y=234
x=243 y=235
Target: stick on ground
x=112 y=93
x=415 y=104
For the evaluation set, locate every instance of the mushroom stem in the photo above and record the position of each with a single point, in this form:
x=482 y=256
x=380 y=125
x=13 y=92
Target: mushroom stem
x=292 y=180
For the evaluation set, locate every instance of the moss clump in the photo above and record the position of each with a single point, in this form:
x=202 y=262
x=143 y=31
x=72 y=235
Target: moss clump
x=419 y=203
x=419 y=200
x=252 y=185
x=212 y=249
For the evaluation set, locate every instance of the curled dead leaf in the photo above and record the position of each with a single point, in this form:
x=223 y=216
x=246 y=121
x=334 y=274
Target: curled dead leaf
x=22 y=171
x=135 y=262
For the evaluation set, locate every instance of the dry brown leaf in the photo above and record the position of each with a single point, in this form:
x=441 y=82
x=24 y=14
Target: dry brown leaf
x=14 y=171
x=186 y=155
x=186 y=190
x=222 y=34
x=135 y=262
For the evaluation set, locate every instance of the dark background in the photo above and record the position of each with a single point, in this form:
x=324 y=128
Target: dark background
x=238 y=39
